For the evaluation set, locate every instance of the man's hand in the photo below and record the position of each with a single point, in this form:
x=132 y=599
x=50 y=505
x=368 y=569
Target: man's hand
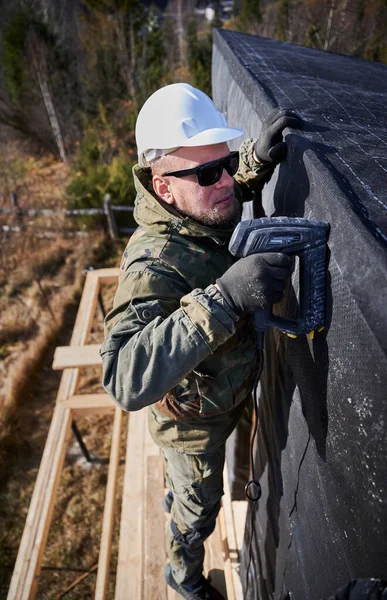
x=270 y=147
x=255 y=282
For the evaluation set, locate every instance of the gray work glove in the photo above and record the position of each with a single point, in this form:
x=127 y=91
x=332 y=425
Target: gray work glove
x=270 y=147
x=255 y=282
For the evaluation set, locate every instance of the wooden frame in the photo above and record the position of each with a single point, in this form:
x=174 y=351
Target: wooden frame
x=27 y=567
x=141 y=554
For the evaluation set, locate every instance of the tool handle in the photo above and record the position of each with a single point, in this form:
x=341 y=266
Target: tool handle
x=311 y=295
x=297 y=237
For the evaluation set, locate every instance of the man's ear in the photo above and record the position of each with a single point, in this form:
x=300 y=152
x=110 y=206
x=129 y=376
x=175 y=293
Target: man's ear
x=162 y=188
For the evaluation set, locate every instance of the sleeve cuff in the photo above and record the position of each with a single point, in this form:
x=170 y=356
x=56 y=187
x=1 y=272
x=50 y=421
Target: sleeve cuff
x=210 y=314
x=250 y=171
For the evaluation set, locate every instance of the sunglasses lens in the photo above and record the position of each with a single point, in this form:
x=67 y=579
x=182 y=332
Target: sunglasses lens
x=210 y=175
x=232 y=164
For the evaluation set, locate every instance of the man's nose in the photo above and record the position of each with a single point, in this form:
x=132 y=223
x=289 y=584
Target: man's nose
x=226 y=180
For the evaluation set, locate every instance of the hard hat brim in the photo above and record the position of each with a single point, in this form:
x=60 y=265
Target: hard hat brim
x=213 y=136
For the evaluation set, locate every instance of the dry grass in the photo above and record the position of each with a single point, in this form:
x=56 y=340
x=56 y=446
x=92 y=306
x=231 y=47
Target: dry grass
x=32 y=307
x=37 y=179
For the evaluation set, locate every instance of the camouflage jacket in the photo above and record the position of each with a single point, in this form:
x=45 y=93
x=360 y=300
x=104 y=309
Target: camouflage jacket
x=172 y=342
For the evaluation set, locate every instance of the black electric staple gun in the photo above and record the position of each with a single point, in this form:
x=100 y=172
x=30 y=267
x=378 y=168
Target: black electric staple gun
x=296 y=237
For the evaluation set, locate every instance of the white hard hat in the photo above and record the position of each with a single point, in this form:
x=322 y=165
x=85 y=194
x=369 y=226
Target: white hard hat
x=179 y=115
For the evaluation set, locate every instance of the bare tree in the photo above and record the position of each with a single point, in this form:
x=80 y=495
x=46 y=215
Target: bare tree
x=329 y=24
x=127 y=59
x=37 y=52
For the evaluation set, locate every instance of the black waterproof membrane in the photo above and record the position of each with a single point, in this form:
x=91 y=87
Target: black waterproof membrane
x=321 y=452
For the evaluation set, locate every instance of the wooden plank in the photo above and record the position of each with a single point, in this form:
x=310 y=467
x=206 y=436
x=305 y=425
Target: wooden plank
x=66 y=357
x=213 y=560
x=84 y=404
x=108 y=515
x=107 y=275
x=226 y=556
x=233 y=551
x=86 y=310
x=239 y=510
x=228 y=515
x=87 y=412
x=155 y=586
x=171 y=594
x=81 y=331
x=129 y=565
x=26 y=572
x=25 y=575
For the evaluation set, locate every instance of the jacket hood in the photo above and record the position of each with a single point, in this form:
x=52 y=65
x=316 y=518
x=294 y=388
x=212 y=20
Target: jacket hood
x=153 y=214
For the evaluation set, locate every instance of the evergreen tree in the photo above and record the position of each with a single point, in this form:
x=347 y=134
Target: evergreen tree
x=199 y=56
x=249 y=15
x=376 y=44
x=217 y=21
x=153 y=67
x=127 y=17
x=282 y=21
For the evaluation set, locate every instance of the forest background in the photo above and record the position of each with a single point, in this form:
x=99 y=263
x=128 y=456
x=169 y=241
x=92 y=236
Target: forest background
x=74 y=74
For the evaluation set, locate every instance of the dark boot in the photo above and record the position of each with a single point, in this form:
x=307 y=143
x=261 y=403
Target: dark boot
x=203 y=591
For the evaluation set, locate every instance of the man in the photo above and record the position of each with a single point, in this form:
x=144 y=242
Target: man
x=179 y=338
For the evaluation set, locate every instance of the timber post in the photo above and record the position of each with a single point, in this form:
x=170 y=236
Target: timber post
x=112 y=225
x=14 y=200
x=16 y=209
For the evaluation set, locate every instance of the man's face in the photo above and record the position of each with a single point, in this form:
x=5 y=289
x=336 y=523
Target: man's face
x=213 y=205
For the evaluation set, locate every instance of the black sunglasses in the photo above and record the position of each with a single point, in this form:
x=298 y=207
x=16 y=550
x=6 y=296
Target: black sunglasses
x=210 y=172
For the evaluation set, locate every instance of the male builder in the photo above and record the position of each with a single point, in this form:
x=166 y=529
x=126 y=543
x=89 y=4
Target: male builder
x=179 y=338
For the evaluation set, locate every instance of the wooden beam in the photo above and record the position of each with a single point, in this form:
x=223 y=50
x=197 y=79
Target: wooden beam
x=239 y=511
x=228 y=532
x=86 y=310
x=228 y=516
x=155 y=586
x=213 y=560
x=106 y=276
x=89 y=404
x=67 y=357
x=108 y=515
x=172 y=595
x=112 y=225
x=27 y=567
x=129 y=565
x=26 y=572
x=226 y=556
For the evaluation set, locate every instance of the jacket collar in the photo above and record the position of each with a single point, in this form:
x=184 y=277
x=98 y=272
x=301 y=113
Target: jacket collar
x=152 y=213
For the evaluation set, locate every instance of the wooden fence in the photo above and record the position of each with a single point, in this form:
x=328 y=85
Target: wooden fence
x=108 y=210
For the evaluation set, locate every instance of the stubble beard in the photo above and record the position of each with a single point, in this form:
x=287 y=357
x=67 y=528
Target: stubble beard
x=214 y=218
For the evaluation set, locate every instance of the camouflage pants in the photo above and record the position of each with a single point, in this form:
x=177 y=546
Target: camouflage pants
x=197 y=485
